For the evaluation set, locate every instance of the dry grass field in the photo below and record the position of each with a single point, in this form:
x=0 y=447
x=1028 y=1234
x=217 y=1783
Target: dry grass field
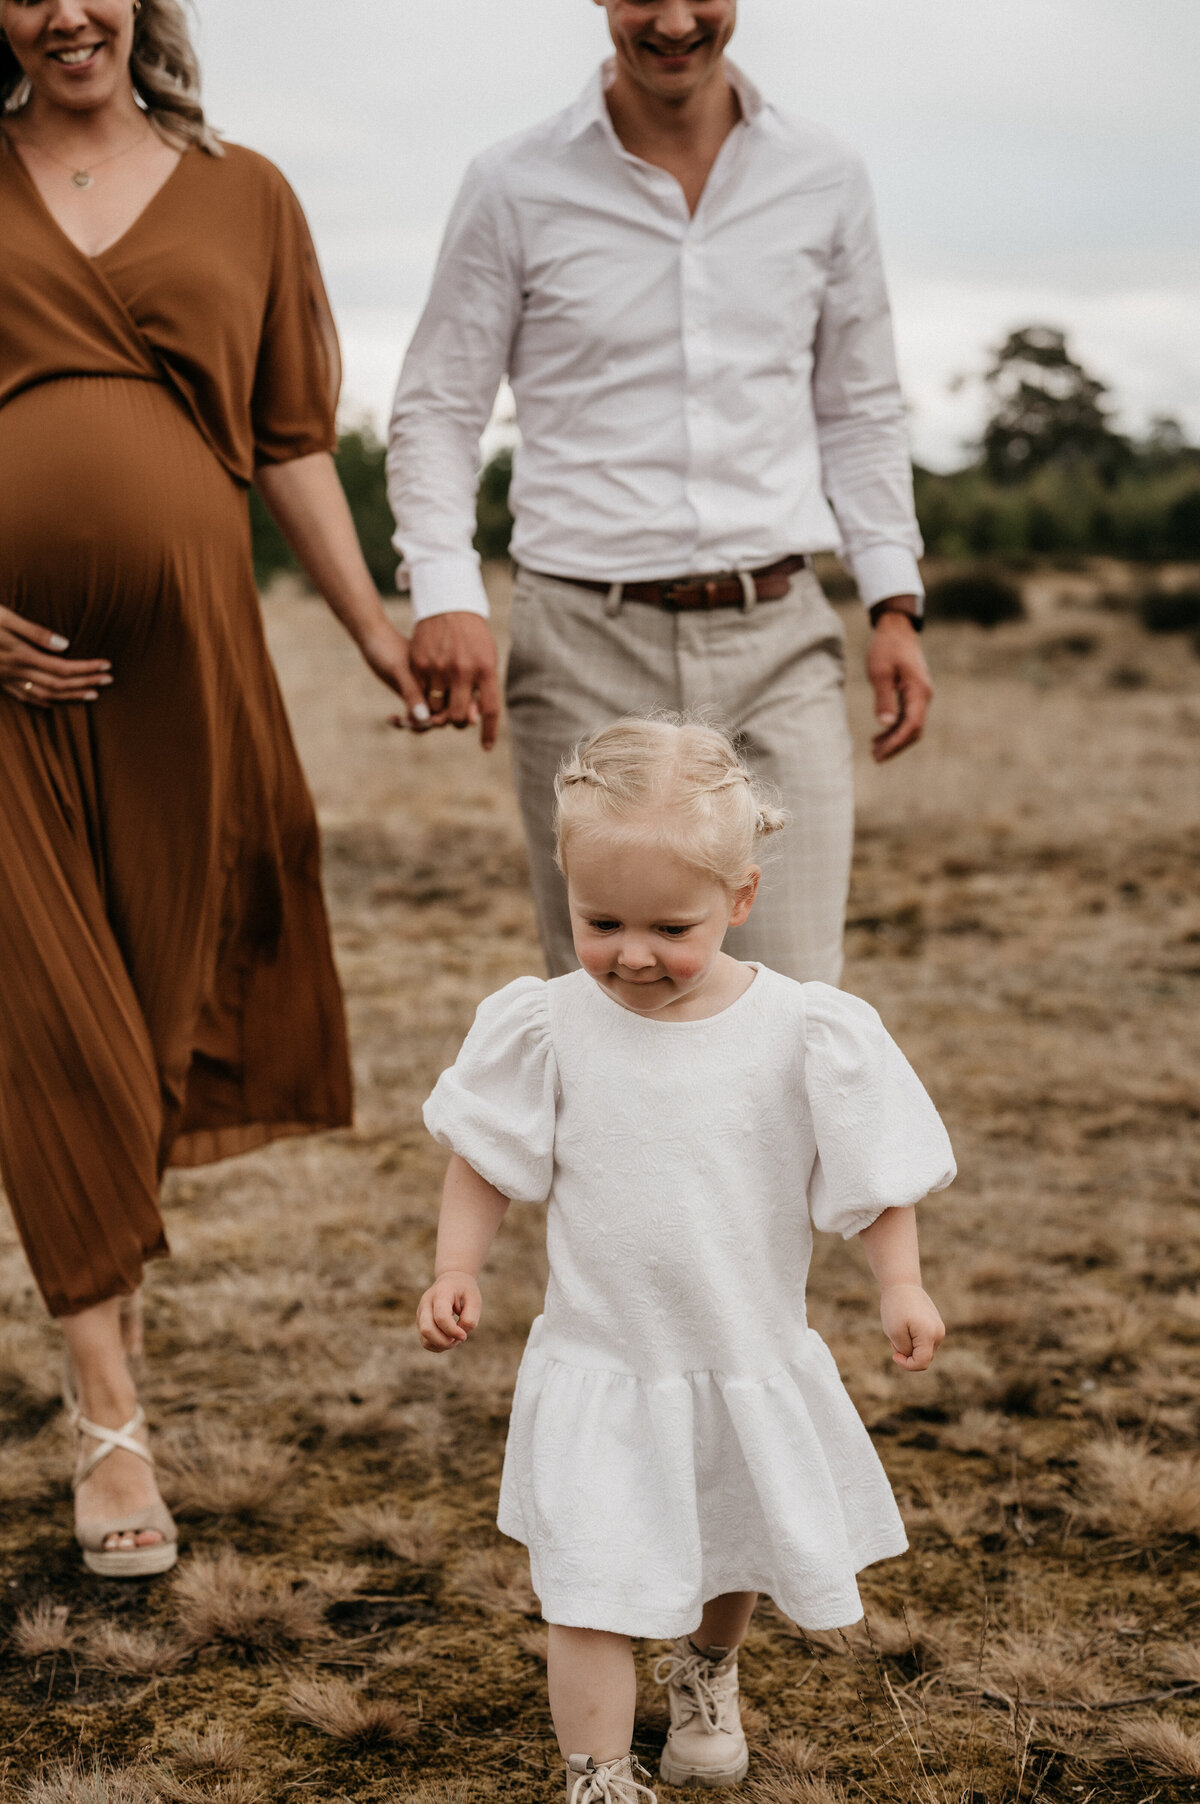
x=346 y=1623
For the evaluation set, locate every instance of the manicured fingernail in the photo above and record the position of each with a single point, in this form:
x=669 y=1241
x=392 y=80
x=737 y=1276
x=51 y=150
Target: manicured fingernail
x=91 y=695
x=104 y=679
x=58 y=643
x=420 y=711
x=886 y=720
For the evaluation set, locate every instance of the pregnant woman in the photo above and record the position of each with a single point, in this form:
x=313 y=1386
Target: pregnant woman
x=167 y=990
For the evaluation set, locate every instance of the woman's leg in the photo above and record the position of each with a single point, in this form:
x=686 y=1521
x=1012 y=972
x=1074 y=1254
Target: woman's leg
x=122 y=1484
x=725 y=1621
x=593 y=1692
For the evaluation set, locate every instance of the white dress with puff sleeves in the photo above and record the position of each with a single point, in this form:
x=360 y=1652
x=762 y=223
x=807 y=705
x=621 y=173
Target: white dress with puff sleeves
x=678 y=1430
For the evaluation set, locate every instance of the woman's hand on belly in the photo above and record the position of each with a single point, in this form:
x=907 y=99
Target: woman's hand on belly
x=34 y=671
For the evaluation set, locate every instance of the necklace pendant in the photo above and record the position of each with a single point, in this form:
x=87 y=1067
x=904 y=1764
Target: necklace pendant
x=81 y=179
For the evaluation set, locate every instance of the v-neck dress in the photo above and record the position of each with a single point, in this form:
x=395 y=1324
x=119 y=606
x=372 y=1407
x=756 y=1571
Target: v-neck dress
x=678 y=1430
x=167 y=987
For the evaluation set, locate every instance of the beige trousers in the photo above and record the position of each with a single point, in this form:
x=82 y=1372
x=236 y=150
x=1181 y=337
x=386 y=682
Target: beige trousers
x=773 y=674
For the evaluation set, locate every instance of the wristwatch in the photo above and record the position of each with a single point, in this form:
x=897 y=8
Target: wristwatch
x=894 y=605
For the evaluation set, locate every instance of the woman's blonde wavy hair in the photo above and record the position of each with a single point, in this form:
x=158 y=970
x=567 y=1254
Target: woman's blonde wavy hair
x=671 y=781
x=163 y=69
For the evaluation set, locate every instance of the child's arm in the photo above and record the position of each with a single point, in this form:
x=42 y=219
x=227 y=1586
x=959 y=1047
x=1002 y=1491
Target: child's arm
x=910 y=1320
x=472 y=1210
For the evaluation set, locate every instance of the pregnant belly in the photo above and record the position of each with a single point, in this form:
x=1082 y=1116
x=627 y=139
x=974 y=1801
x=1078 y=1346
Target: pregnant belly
x=115 y=517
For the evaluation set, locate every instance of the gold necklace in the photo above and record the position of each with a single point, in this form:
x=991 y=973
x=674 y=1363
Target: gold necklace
x=83 y=178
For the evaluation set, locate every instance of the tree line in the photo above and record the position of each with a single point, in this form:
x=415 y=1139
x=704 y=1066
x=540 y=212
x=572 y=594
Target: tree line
x=1049 y=475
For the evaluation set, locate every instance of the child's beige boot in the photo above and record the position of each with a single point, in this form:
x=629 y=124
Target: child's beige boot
x=613 y=1782
x=705 y=1744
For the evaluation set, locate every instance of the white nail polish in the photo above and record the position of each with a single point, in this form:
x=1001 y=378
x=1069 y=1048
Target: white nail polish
x=420 y=711
x=58 y=643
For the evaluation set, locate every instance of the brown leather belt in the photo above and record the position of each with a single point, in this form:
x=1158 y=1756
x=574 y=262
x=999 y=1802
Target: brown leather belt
x=681 y=594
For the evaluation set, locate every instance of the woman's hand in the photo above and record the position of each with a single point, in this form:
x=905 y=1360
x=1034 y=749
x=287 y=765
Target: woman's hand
x=912 y=1324
x=33 y=670
x=448 y=1311
x=306 y=500
x=386 y=652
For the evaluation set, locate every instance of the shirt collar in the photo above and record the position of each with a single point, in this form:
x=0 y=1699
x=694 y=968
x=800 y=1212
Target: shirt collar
x=591 y=109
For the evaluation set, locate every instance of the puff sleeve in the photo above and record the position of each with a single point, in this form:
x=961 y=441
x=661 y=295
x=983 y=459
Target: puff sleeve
x=880 y=1141
x=495 y=1106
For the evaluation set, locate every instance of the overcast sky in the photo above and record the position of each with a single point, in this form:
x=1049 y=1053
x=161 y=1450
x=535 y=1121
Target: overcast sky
x=1037 y=160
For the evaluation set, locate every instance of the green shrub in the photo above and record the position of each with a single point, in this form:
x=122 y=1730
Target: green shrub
x=977 y=595
x=493 y=520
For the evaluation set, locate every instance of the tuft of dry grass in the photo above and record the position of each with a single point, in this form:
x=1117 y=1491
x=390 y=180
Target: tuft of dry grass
x=244 y=1607
x=345 y=1713
x=769 y=1787
x=136 y=1653
x=216 y=1749
x=1158 y=1746
x=497 y=1579
x=1138 y=1496
x=233 y=1788
x=335 y=1582
x=381 y=1528
x=1049 y=1659
x=1181 y=1661
x=794 y=1754
x=44 y=1629
x=219 y=1473
x=71 y=1784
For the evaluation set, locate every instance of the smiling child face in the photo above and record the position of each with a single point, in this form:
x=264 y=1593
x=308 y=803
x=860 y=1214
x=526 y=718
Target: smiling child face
x=648 y=927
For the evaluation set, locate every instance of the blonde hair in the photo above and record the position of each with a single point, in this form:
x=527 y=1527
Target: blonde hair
x=162 y=67
x=682 y=776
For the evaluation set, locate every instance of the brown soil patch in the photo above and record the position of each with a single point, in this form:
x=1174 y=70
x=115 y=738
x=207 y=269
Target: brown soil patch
x=346 y=1623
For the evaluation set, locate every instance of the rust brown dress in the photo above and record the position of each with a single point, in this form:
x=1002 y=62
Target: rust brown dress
x=167 y=989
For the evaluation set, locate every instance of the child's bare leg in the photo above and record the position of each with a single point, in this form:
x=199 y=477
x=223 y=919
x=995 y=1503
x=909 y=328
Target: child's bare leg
x=725 y=1620
x=593 y=1692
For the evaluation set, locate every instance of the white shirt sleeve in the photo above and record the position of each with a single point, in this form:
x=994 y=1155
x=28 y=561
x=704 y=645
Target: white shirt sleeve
x=861 y=427
x=444 y=399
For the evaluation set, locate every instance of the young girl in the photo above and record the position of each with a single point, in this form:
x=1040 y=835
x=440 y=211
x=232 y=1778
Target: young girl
x=680 y=1438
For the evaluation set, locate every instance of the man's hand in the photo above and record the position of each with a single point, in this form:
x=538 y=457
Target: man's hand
x=448 y=1311
x=899 y=675
x=454 y=658
x=912 y=1324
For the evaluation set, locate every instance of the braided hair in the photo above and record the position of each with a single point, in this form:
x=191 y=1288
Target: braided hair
x=670 y=781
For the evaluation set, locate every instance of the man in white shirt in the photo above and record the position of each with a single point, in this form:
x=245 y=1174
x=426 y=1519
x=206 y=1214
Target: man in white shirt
x=684 y=288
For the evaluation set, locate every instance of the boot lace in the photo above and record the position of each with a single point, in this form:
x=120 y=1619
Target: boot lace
x=602 y=1785
x=694 y=1677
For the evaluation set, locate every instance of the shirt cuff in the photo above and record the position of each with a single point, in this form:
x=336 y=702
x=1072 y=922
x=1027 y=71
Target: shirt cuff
x=448 y=586
x=886 y=570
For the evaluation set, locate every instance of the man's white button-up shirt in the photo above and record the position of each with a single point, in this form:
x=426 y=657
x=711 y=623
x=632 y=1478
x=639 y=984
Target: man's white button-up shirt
x=695 y=393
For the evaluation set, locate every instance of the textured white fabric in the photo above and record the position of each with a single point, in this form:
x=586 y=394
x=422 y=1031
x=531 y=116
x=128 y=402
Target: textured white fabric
x=678 y=1431
x=690 y=389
